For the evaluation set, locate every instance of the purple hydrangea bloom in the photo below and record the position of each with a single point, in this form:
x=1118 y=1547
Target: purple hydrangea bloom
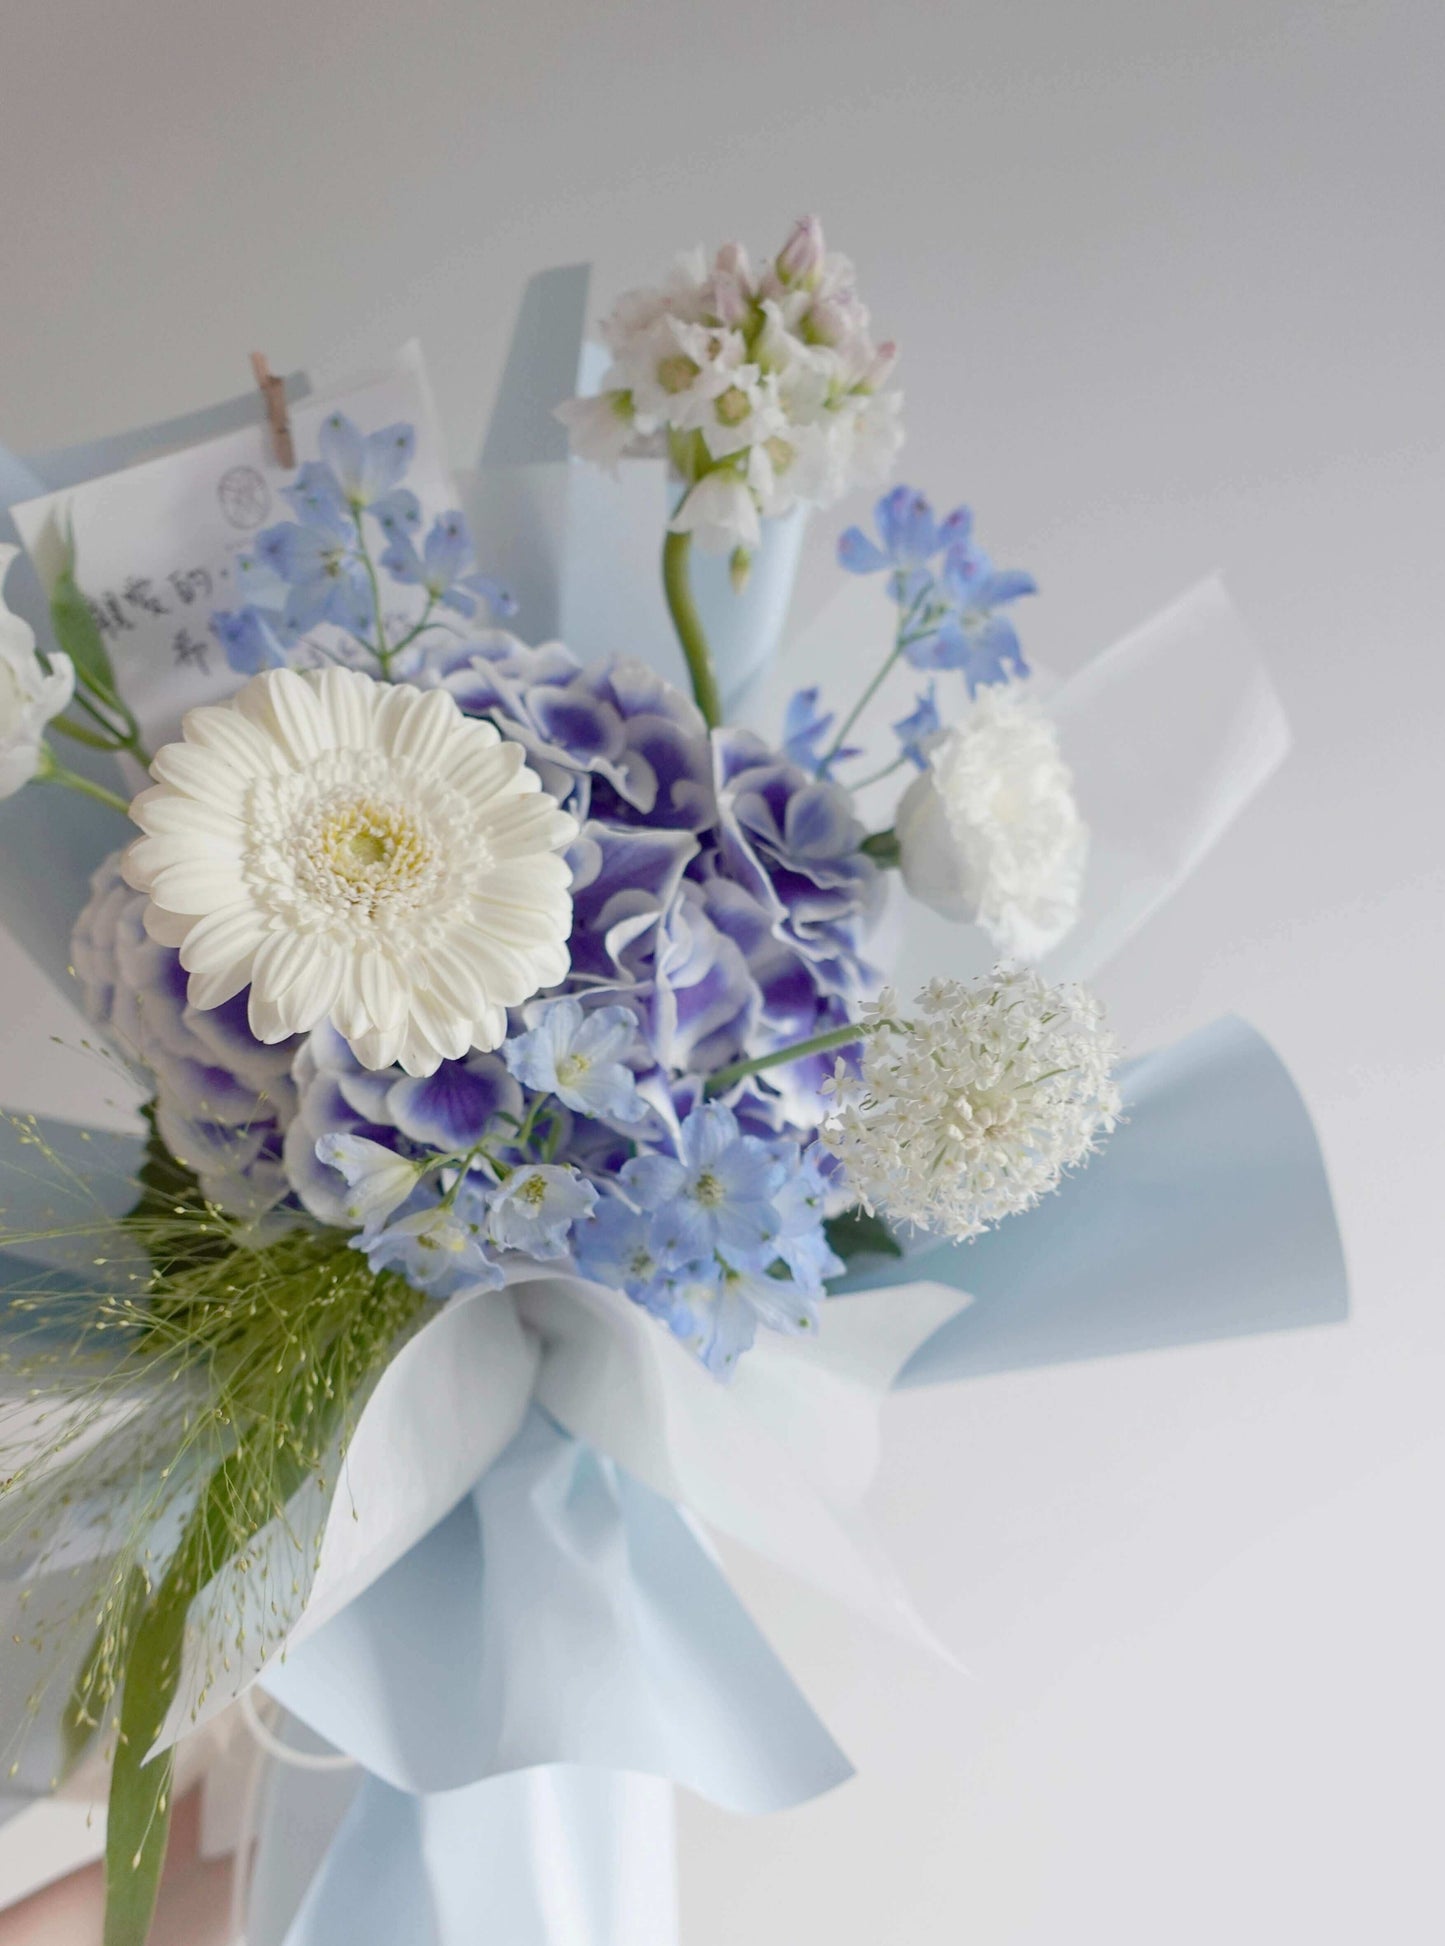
x=223 y=1100
x=448 y=1112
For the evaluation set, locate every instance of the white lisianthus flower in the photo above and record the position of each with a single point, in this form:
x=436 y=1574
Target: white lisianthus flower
x=358 y=850
x=974 y=1108
x=990 y=831
x=29 y=696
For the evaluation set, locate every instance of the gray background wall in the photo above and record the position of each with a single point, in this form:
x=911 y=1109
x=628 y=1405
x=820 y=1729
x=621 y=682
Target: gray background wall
x=1169 y=285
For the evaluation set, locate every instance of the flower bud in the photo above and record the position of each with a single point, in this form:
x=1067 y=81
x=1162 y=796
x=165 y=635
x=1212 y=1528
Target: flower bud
x=731 y=262
x=879 y=368
x=801 y=258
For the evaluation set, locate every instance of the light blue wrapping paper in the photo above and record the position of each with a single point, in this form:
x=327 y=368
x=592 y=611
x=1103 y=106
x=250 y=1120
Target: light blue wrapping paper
x=561 y=1614
x=561 y=1856
x=1206 y=1215
x=519 y=1688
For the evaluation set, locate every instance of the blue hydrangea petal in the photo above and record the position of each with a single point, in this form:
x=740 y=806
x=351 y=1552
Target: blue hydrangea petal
x=454 y=1108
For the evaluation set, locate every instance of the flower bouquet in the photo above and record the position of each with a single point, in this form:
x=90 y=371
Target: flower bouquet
x=540 y=1168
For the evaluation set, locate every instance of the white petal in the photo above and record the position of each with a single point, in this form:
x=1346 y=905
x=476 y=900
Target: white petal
x=199 y=885
x=422 y=735
x=167 y=928
x=301 y=726
x=222 y=940
x=349 y=699
x=202 y=775
x=222 y=729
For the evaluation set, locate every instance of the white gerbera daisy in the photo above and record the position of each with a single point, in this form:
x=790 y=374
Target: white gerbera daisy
x=356 y=849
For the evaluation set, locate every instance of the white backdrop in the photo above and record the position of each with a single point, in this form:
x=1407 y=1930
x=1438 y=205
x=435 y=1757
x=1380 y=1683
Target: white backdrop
x=1169 y=286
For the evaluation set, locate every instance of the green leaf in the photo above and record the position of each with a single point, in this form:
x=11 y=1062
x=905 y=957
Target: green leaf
x=77 y=631
x=138 y=1817
x=857 y=1234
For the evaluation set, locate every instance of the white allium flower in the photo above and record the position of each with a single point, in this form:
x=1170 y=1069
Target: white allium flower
x=990 y=831
x=29 y=697
x=768 y=385
x=358 y=850
x=974 y=1107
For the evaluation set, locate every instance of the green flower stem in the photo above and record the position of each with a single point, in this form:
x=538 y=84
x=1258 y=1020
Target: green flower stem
x=412 y=633
x=52 y=772
x=678 y=589
x=862 y=783
x=77 y=732
x=858 y=708
x=383 y=653
x=780 y=1056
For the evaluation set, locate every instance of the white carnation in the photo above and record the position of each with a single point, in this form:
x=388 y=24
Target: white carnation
x=990 y=831
x=358 y=850
x=29 y=695
x=972 y=1109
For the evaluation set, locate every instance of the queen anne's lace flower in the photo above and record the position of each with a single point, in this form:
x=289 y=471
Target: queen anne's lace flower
x=356 y=850
x=974 y=1108
x=990 y=831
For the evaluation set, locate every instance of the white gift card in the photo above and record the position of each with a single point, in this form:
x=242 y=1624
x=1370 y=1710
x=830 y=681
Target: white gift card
x=156 y=546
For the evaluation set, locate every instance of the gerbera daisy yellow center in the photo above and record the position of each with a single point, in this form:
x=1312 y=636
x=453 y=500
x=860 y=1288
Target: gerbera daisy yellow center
x=362 y=852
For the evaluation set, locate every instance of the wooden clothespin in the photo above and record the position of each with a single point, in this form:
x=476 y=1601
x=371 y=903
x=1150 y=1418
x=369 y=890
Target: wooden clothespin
x=278 y=417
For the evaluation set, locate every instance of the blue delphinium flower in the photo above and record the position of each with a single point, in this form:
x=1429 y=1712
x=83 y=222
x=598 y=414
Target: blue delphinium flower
x=805 y=726
x=715 y=1195
x=611 y=1248
x=909 y=535
x=974 y=635
x=445 y=567
x=356 y=470
x=802 y=1203
x=708 y=1312
x=251 y=639
x=949 y=609
x=439 y=1248
x=320 y=562
x=580 y=1058
x=536 y=1207
x=914 y=730
x=715 y=1309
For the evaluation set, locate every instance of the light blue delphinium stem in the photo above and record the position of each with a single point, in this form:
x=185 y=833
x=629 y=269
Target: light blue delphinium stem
x=382 y=653
x=904 y=637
